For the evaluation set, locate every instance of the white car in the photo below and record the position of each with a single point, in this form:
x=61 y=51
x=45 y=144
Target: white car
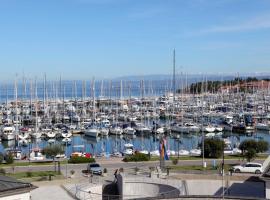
x=248 y=168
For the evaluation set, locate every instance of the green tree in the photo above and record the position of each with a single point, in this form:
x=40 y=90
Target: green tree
x=213 y=148
x=250 y=148
x=248 y=144
x=262 y=146
x=250 y=154
x=51 y=152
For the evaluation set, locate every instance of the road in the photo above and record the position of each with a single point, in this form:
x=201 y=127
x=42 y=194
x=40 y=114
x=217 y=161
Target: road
x=112 y=164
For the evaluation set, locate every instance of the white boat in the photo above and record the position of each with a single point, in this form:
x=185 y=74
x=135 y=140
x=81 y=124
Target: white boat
x=23 y=135
x=36 y=155
x=128 y=149
x=129 y=131
x=155 y=153
x=60 y=156
x=263 y=126
x=218 y=128
x=23 y=142
x=66 y=134
x=8 y=133
x=141 y=128
x=209 y=129
x=50 y=134
x=219 y=133
x=116 y=154
x=195 y=152
x=160 y=130
x=36 y=135
x=104 y=131
x=144 y=152
x=171 y=153
x=183 y=152
x=66 y=140
x=116 y=130
x=92 y=132
x=210 y=135
x=236 y=151
x=192 y=128
x=250 y=128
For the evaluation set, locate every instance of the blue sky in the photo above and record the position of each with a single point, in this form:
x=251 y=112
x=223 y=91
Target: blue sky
x=79 y=39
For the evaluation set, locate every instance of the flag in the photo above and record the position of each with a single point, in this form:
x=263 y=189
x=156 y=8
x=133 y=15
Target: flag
x=162 y=150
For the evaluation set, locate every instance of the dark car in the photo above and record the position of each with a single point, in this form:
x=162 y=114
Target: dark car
x=94 y=168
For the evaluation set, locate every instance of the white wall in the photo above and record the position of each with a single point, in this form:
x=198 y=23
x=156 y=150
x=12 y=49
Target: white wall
x=24 y=196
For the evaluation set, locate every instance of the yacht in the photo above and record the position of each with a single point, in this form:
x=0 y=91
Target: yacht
x=8 y=132
x=50 y=134
x=36 y=155
x=66 y=134
x=128 y=149
x=104 y=131
x=263 y=126
x=116 y=130
x=183 y=152
x=92 y=131
x=209 y=129
x=129 y=131
x=195 y=152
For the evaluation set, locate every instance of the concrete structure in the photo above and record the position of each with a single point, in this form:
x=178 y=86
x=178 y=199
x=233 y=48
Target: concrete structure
x=12 y=189
x=136 y=187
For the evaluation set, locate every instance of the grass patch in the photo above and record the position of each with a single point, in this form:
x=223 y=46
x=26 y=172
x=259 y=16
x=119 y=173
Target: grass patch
x=227 y=157
x=198 y=168
x=17 y=164
x=31 y=174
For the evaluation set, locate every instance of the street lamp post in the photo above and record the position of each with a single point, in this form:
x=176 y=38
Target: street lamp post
x=178 y=140
x=222 y=173
x=66 y=158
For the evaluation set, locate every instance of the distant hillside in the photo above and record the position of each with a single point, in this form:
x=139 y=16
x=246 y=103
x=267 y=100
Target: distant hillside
x=238 y=84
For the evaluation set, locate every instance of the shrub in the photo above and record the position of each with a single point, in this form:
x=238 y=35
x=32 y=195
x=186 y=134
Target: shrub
x=29 y=174
x=2 y=171
x=9 y=158
x=213 y=148
x=136 y=158
x=175 y=161
x=78 y=159
x=1 y=158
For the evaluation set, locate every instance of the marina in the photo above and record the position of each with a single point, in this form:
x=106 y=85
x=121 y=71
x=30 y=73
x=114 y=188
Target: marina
x=102 y=124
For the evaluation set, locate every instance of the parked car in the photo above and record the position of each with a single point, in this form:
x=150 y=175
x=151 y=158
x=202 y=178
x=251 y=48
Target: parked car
x=248 y=168
x=94 y=168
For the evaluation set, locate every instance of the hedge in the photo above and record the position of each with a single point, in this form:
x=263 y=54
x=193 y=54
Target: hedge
x=136 y=158
x=78 y=159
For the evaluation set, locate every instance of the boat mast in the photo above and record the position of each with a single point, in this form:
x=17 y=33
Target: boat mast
x=174 y=75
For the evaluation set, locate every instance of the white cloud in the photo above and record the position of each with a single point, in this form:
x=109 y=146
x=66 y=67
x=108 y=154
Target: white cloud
x=256 y=23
